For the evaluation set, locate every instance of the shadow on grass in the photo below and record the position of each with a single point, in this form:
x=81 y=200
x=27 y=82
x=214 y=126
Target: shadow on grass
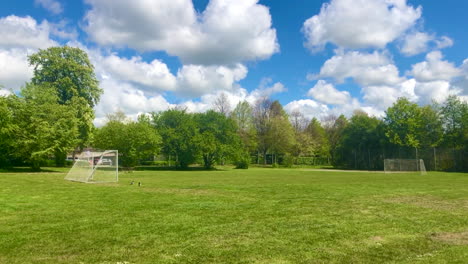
x=159 y=168
x=29 y=169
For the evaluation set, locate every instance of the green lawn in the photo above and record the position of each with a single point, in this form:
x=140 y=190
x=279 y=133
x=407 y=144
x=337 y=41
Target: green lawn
x=235 y=216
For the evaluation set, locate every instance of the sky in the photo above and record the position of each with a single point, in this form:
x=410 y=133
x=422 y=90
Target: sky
x=316 y=57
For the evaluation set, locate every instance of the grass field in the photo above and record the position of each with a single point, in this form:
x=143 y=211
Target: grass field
x=235 y=216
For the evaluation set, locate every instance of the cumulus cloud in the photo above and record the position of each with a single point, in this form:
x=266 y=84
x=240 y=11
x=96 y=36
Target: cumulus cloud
x=24 y=32
x=155 y=75
x=366 y=68
x=14 y=68
x=415 y=43
x=419 y=42
x=51 y=5
x=227 y=32
x=196 y=80
x=327 y=93
x=122 y=96
x=309 y=108
x=434 y=69
x=359 y=23
x=382 y=97
x=444 y=42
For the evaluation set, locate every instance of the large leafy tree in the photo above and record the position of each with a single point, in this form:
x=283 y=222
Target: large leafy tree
x=280 y=135
x=403 y=121
x=218 y=138
x=7 y=130
x=359 y=141
x=70 y=73
x=179 y=134
x=454 y=114
x=134 y=140
x=44 y=127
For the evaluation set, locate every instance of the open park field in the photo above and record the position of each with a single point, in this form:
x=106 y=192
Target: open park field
x=235 y=216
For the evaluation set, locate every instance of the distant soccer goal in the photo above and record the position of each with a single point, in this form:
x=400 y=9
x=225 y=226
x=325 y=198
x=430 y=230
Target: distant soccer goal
x=404 y=165
x=95 y=167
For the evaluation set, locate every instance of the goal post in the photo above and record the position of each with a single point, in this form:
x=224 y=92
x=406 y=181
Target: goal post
x=404 y=165
x=95 y=167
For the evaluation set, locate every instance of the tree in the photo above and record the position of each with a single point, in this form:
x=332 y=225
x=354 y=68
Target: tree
x=179 y=134
x=261 y=120
x=134 y=140
x=404 y=123
x=70 y=73
x=454 y=113
x=44 y=127
x=359 y=141
x=222 y=105
x=218 y=137
x=242 y=116
x=7 y=130
x=280 y=135
x=334 y=130
x=319 y=142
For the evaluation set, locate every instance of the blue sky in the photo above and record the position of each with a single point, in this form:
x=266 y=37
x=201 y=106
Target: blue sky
x=316 y=57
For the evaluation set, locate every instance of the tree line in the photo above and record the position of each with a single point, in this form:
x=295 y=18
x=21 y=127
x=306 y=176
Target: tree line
x=53 y=115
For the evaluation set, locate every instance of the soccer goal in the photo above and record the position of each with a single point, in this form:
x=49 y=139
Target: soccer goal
x=95 y=167
x=404 y=165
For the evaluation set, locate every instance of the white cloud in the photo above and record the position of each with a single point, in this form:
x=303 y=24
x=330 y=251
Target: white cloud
x=366 y=68
x=154 y=75
x=359 y=23
x=436 y=90
x=419 y=42
x=228 y=31
x=444 y=42
x=382 y=97
x=197 y=80
x=434 y=69
x=51 y=5
x=309 y=108
x=4 y=92
x=127 y=98
x=415 y=43
x=14 y=68
x=24 y=32
x=328 y=94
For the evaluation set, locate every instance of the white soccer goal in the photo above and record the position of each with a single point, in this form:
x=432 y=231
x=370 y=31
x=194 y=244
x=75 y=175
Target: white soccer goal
x=95 y=167
x=404 y=165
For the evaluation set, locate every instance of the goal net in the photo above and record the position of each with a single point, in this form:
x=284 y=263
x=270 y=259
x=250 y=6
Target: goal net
x=404 y=165
x=95 y=167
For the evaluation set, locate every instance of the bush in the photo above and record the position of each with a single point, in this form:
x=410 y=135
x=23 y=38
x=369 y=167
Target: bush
x=275 y=165
x=288 y=160
x=242 y=164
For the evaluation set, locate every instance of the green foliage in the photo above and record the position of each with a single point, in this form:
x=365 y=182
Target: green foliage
x=359 y=138
x=44 y=127
x=455 y=122
x=8 y=127
x=180 y=136
x=69 y=71
x=218 y=138
x=133 y=140
x=288 y=160
x=403 y=121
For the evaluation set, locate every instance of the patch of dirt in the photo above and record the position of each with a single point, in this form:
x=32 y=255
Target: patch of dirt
x=459 y=239
x=431 y=202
